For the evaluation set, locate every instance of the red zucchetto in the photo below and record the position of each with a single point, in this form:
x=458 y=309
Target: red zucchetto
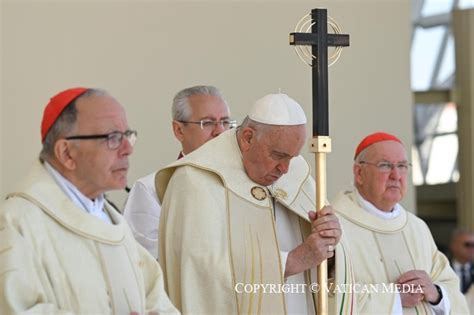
x=56 y=106
x=374 y=138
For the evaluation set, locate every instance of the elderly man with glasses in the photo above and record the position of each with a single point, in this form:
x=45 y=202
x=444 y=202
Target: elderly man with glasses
x=63 y=248
x=396 y=264
x=200 y=114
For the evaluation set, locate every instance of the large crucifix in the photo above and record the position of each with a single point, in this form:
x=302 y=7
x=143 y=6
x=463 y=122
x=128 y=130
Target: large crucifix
x=320 y=40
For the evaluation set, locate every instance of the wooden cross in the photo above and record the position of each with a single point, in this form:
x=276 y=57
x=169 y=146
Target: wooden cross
x=320 y=40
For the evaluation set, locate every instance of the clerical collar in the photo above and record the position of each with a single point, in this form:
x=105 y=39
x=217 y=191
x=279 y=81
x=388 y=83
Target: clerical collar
x=369 y=207
x=94 y=207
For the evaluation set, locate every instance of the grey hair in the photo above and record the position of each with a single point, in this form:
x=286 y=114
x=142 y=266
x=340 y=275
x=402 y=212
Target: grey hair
x=181 y=110
x=361 y=156
x=260 y=128
x=64 y=124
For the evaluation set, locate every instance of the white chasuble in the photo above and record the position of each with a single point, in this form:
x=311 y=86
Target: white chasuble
x=299 y=298
x=381 y=250
x=219 y=247
x=55 y=258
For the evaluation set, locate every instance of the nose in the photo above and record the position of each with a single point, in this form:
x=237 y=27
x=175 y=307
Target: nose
x=218 y=129
x=395 y=173
x=283 y=166
x=126 y=148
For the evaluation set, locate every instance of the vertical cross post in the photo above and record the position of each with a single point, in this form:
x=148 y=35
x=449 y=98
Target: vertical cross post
x=320 y=145
x=320 y=73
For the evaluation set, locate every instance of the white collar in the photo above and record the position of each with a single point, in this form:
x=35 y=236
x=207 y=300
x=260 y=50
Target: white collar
x=458 y=266
x=369 y=207
x=94 y=207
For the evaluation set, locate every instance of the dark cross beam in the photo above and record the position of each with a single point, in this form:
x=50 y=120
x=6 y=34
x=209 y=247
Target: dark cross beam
x=320 y=40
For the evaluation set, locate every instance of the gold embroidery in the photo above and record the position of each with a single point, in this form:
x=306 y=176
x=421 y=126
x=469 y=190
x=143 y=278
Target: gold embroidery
x=258 y=193
x=280 y=193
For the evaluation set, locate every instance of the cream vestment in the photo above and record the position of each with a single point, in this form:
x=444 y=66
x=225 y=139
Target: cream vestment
x=381 y=250
x=57 y=259
x=218 y=234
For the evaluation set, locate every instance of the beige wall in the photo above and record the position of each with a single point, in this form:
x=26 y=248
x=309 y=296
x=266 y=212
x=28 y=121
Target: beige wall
x=144 y=51
x=2 y=125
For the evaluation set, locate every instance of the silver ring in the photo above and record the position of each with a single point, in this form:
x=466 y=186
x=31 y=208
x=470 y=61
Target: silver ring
x=330 y=248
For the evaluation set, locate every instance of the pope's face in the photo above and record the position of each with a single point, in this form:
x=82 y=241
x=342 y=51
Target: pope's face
x=208 y=107
x=266 y=156
x=96 y=167
x=382 y=189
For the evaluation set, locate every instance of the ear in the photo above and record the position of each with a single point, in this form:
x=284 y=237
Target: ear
x=357 y=170
x=63 y=152
x=178 y=130
x=247 y=136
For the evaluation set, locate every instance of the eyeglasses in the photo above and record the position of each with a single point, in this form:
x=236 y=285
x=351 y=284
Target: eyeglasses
x=114 y=139
x=387 y=167
x=468 y=244
x=209 y=124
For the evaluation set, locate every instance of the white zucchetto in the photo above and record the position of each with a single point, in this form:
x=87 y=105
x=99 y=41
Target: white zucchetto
x=277 y=109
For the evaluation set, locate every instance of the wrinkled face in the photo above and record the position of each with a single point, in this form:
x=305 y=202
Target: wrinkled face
x=462 y=247
x=382 y=189
x=96 y=168
x=266 y=156
x=208 y=107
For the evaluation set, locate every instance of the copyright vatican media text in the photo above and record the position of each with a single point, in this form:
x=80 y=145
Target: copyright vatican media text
x=357 y=288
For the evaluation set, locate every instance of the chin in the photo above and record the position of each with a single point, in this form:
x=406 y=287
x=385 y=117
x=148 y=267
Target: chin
x=118 y=184
x=262 y=182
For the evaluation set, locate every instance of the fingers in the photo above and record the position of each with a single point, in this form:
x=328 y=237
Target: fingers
x=420 y=276
x=326 y=210
x=332 y=233
x=327 y=226
x=325 y=218
x=419 y=280
x=319 y=226
x=411 y=299
x=322 y=248
x=312 y=215
x=325 y=233
x=413 y=284
x=318 y=241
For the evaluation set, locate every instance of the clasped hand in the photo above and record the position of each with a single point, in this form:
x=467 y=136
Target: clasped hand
x=319 y=245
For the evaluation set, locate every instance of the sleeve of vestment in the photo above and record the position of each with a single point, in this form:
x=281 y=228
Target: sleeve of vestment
x=444 y=306
x=443 y=275
x=156 y=298
x=142 y=212
x=22 y=279
x=194 y=243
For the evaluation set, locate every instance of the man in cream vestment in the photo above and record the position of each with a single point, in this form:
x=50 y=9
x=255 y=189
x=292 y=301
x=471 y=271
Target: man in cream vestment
x=63 y=248
x=200 y=114
x=389 y=245
x=238 y=233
